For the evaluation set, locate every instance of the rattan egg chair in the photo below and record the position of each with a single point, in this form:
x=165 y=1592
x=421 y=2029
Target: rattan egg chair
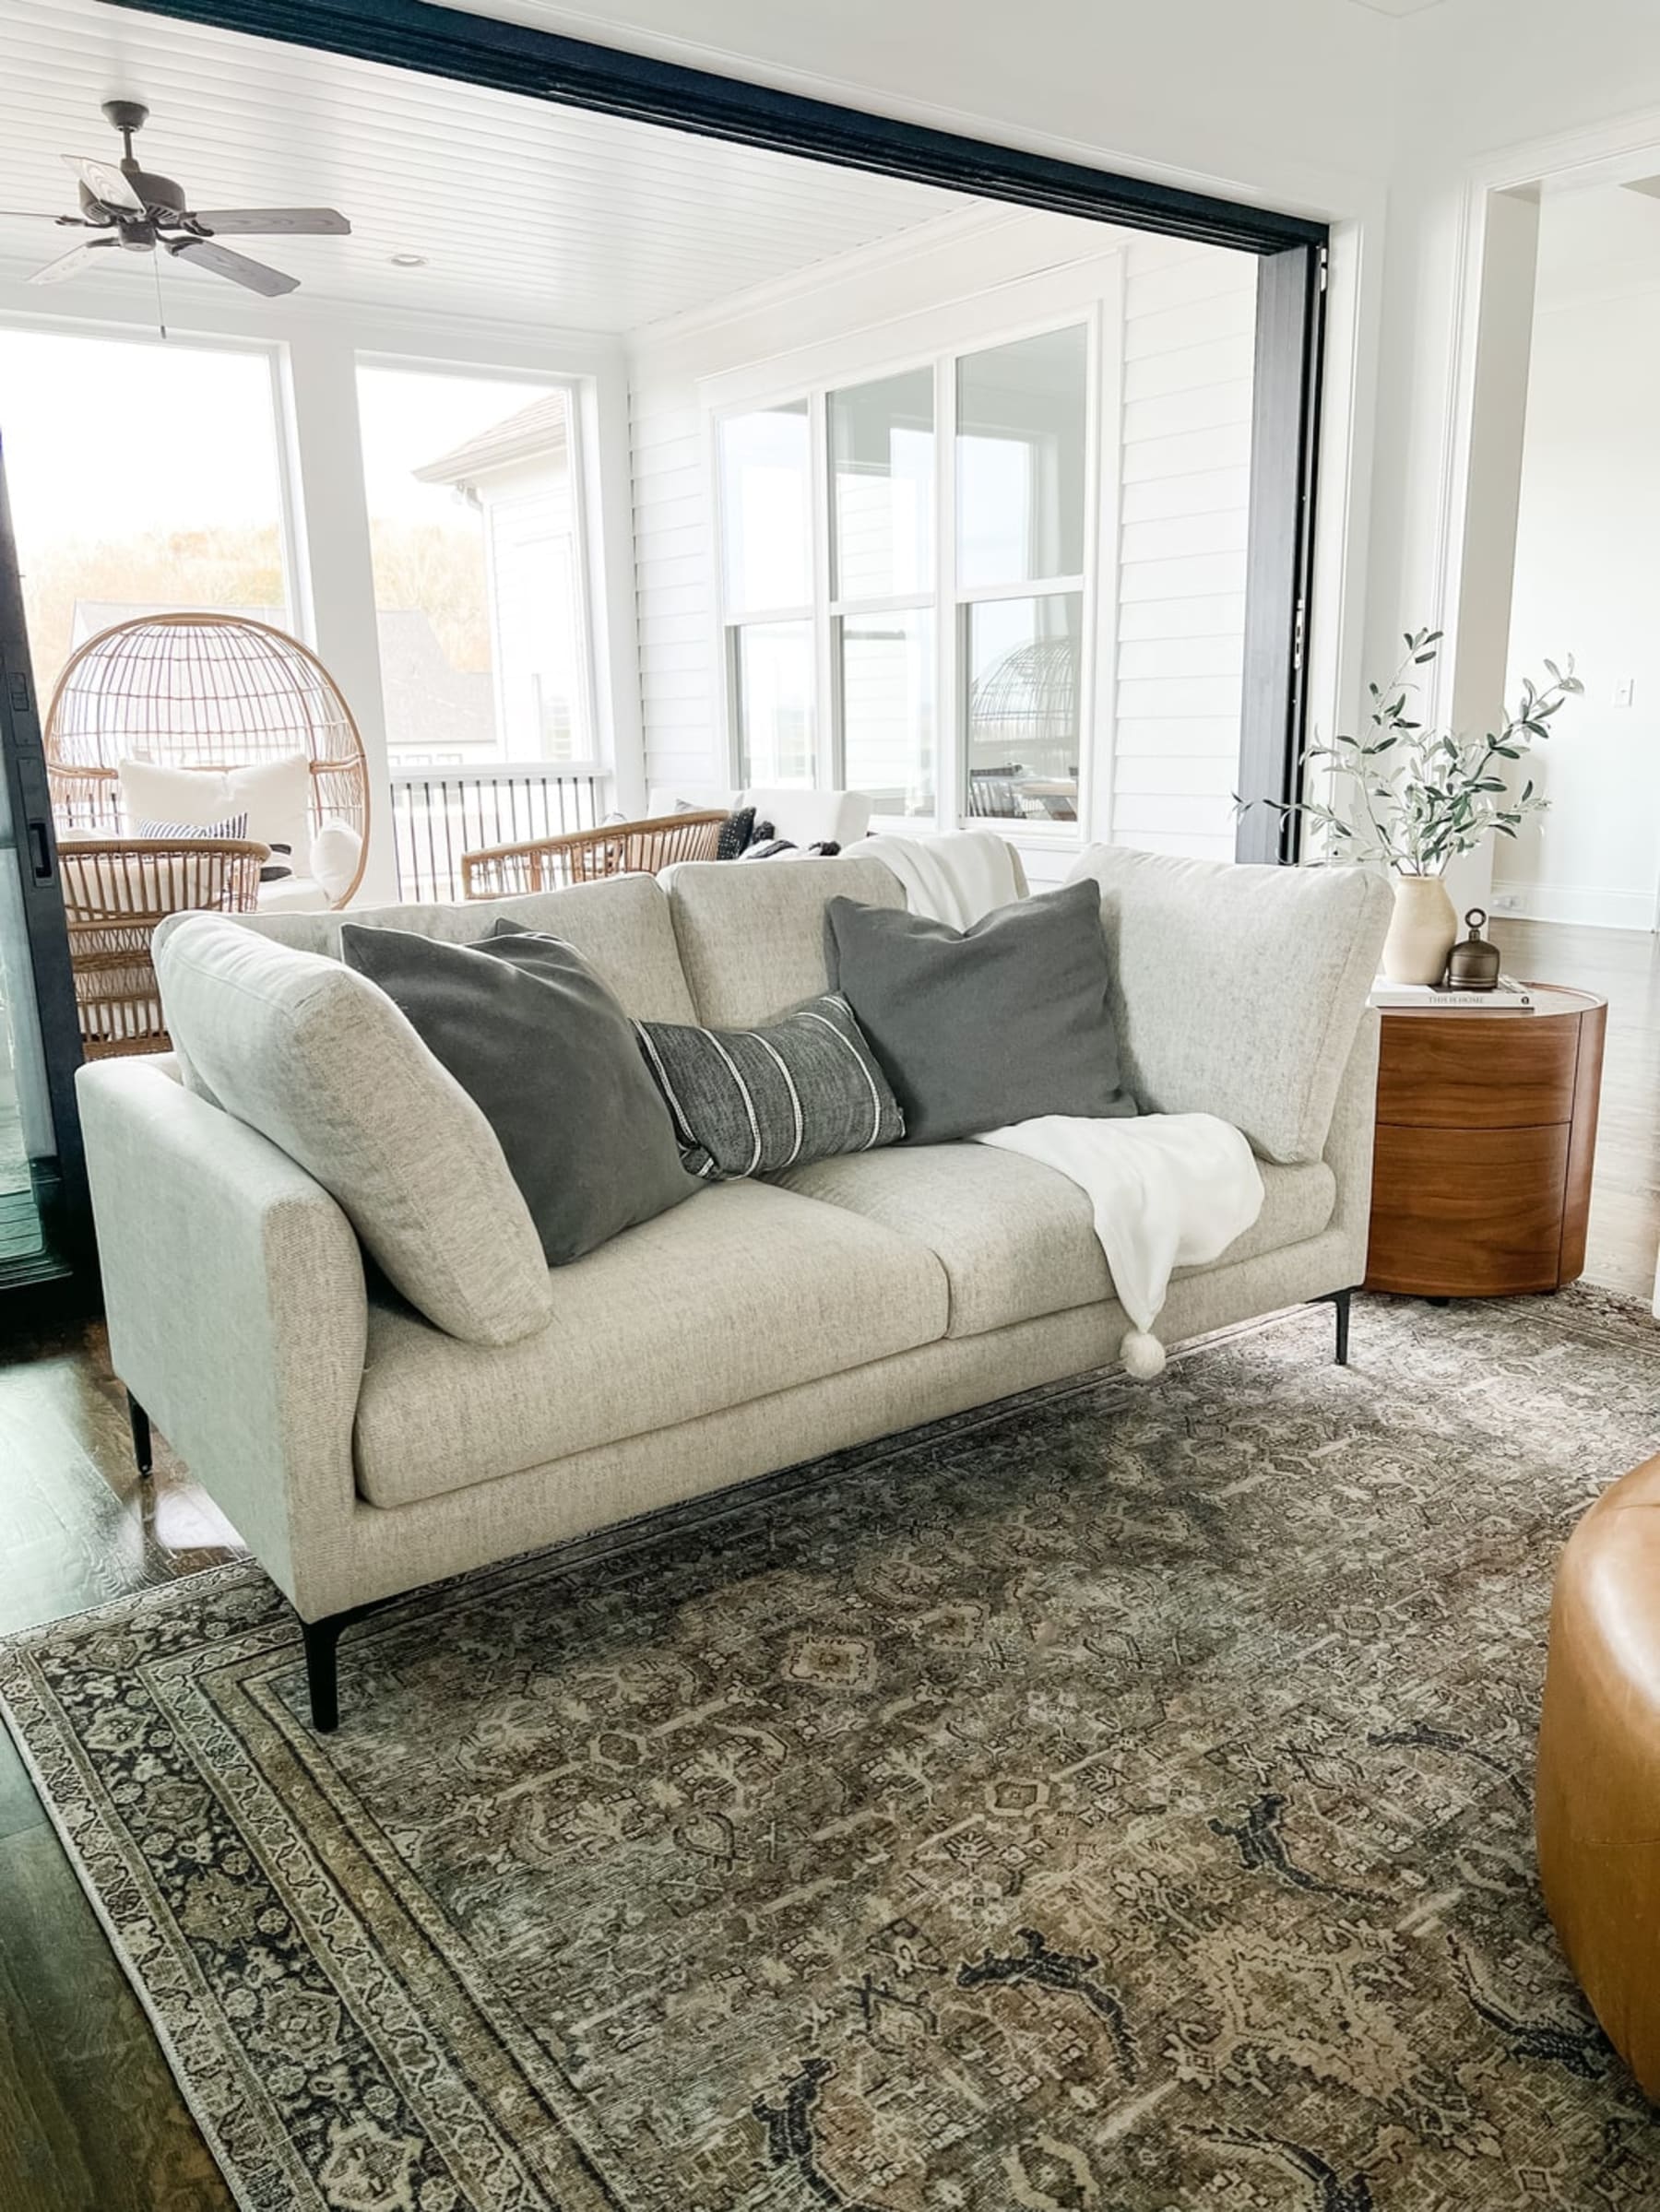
x=199 y=691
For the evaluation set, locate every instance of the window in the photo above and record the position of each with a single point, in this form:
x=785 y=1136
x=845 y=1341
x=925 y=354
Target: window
x=1021 y=484
x=881 y=564
x=1008 y=584
x=766 y=573
x=114 y=517
x=475 y=529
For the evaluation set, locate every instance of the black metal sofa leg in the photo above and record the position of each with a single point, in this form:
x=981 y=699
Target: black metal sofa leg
x=1340 y=1299
x=322 y=1672
x=139 y=1420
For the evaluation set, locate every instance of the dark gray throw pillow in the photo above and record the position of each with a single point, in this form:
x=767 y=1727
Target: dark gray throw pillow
x=549 y=1055
x=976 y=1028
x=753 y=1101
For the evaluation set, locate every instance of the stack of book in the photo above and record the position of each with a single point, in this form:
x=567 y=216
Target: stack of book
x=1507 y=996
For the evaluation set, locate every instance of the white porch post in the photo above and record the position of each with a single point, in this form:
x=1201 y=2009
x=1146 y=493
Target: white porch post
x=334 y=582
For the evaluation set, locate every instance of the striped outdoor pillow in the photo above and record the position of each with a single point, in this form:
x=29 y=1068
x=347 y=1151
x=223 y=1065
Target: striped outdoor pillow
x=752 y=1101
x=187 y=833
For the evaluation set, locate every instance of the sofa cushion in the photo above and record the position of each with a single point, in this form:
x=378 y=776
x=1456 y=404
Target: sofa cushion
x=1239 y=991
x=620 y=926
x=752 y=940
x=981 y=1027
x=321 y=1061
x=744 y=1291
x=552 y=1061
x=1016 y=1239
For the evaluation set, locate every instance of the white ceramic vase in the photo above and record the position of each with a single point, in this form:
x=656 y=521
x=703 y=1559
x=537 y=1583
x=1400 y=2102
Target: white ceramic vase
x=1423 y=932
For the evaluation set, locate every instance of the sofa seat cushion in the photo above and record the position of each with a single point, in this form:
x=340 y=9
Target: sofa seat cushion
x=1016 y=1239
x=743 y=1291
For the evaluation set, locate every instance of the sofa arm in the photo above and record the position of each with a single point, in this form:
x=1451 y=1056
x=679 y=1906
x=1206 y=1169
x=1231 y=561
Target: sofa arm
x=234 y=1291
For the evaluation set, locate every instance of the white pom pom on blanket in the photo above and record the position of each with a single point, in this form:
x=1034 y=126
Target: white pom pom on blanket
x=1143 y=1355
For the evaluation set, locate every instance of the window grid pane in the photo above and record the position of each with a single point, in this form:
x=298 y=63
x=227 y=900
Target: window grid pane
x=1021 y=451
x=1022 y=728
x=882 y=488
x=885 y=683
x=474 y=541
x=765 y=509
x=772 y=691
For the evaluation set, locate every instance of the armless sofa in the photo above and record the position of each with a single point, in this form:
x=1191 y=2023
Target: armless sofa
x=361 y=1451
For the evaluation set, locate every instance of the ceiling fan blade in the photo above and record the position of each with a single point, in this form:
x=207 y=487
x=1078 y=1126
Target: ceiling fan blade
x=34 y=215
x=106 y=183
x=295 y=222
x=255 y=275
x=70 y=264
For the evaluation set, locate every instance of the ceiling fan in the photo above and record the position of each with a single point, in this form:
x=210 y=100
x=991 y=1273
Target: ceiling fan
x=130 y=207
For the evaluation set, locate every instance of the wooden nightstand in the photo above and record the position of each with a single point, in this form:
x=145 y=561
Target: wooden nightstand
x=1486 y=1129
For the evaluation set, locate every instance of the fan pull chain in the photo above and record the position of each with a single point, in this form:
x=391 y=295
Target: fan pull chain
x=161 y=311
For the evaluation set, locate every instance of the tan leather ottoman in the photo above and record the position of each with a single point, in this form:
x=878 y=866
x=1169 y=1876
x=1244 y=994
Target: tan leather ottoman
x=1597 y=1802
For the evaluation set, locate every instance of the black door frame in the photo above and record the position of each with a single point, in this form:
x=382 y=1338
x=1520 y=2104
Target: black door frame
x=539 y=65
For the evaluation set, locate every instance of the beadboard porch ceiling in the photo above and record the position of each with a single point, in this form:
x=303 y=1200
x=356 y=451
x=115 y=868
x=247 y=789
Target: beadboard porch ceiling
x=521 y=211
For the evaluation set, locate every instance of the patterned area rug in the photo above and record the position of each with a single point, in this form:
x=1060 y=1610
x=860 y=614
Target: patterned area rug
x=1116 y=1800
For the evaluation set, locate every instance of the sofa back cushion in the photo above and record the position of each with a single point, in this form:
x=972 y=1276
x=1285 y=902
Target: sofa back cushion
x=1239 y=990
x=620 y=926
x=752 y=940
x=320 y=1060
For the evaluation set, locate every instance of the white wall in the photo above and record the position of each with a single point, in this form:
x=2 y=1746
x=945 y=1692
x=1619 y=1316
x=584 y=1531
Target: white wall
x=1178 y=341
x=1472 y=80
x=1588 y=582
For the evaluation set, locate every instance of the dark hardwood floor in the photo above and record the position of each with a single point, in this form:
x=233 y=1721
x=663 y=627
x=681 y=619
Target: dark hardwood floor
x=91 y=2119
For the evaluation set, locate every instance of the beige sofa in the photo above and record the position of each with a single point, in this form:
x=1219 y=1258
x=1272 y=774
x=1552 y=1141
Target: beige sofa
x=360 y=1451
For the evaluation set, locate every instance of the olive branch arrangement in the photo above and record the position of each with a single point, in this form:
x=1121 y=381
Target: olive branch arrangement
x=1422 y=795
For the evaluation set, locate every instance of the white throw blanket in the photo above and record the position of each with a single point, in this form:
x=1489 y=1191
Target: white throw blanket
x=1166 y=1190
x=958 y=878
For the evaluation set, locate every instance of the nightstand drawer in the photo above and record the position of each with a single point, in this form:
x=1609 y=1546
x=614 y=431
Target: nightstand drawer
x=1474 y=1216
x=1486 y=1071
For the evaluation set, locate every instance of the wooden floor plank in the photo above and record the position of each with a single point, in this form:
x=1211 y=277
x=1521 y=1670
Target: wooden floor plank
x=118 y=2135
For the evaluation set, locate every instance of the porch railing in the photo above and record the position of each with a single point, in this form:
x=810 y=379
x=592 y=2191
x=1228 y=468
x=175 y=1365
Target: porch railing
x=438 y=814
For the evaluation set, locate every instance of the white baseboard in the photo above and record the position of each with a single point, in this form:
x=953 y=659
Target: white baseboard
x=1592 y=905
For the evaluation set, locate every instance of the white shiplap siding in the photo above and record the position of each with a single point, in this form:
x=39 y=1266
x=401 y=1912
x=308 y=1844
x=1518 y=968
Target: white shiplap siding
x=1190 y=316
x=674 y=591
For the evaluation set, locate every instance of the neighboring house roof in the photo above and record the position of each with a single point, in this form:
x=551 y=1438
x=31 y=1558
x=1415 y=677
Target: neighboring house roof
x=430 y=704
x=535 y=431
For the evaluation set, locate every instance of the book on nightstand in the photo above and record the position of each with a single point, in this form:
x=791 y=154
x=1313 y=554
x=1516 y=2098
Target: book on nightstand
x=1507 y=996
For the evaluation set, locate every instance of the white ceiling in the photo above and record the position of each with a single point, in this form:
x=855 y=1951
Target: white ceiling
x=523 y=211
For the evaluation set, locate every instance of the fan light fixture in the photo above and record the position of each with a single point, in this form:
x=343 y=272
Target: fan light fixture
x=126 y=206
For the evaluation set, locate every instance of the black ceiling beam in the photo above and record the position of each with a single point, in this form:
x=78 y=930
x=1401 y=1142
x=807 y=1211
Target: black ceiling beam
x=540 y=65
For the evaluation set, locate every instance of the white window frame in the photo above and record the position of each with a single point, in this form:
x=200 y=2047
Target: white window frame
x=1088 y=294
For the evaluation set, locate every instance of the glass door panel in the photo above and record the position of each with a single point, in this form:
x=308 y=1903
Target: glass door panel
x=43 y=1189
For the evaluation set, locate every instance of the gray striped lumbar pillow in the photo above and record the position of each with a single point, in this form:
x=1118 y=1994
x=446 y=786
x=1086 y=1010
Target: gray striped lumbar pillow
x=752 y=1101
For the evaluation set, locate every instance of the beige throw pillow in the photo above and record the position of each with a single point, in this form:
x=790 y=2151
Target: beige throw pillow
x=321 y=1062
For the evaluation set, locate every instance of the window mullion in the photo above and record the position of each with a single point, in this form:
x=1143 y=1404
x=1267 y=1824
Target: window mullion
x=950 y=780
x=828 y=749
